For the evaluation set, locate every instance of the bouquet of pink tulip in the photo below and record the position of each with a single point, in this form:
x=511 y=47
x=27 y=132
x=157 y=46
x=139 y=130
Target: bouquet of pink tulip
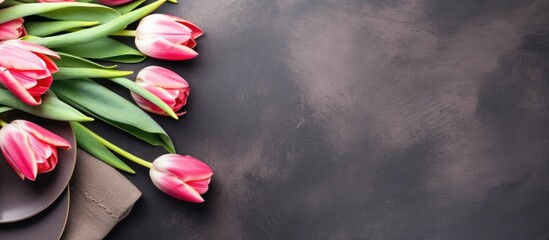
x=48 y=69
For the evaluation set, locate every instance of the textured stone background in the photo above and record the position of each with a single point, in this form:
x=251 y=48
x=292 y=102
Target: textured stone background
x=374 y=119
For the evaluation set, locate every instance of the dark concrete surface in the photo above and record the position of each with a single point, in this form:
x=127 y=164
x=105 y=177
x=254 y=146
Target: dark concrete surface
x=372 y=119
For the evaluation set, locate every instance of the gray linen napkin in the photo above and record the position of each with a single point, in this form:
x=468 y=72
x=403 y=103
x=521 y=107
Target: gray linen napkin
x=100 y=198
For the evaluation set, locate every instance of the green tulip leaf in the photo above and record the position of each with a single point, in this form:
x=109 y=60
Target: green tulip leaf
x=46 y=28
x=101 y=103
x=51 y=107
x=92 y=33
x=68 y=60
x=126 y=8
x=4 y=109
x=61 y=11
x=141 y=91
x=90 y=144
x=73 y=72
x=111 y=50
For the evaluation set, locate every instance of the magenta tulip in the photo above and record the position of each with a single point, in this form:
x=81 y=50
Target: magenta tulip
x=166 y=85
x=30 y=149
x=26 y=70
x=167 y=37
x=12 y=29
x=182 y=177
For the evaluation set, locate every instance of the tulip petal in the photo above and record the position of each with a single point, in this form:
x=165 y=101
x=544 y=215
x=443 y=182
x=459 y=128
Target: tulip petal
x=17 y=89
x=175 y=187
x=18 y=152
x=157 y=25
x=161 y=77
x=200 y=186
x=12 y=29
x=186 y=168
x=147 y=105
x=33 y=47
x=14 y=57
x=42 y=134
x=196 y=31
x=163 y=49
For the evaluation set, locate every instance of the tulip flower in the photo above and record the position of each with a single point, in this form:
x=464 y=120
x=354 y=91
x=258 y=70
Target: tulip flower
x=12 y=29
x=30 y=149
x=167 y=37
x=26 y=70
x=166 y=85
x=182 y=177
x=113 y=2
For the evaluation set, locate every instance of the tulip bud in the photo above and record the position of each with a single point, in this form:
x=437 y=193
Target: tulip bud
x=26 y=70
x=182 y=177
x=167 y=37
x=166 y=85
x=30 y=149
x=12 y=29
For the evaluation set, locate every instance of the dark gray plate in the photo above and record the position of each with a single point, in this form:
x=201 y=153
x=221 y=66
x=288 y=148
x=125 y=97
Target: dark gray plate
x=48 y=224
x=23 y=199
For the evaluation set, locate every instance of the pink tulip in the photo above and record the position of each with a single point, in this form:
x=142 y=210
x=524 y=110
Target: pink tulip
x=167 y=37
x=26 y=70
x=166 y=85
x=29 y=148
x=182 y=177
x=12 y=29
x=113 y=2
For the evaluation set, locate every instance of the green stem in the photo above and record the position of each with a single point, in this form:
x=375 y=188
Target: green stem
x=2 y=123
x=117 y=149
x=172 y=1
x=124 y=33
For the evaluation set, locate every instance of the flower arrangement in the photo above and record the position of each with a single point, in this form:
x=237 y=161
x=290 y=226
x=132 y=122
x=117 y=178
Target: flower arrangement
x=48 y=68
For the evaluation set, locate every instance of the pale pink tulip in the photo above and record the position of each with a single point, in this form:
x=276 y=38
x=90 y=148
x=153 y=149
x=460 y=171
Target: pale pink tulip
x=182 y=177
x=166 y=85
x=167 y=37
x=1 y=1
x=26 y=70
x=113 y=2
x=12 y=29
x=29 y=148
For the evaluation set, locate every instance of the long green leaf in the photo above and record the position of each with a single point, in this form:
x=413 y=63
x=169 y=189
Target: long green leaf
x=91 y=145
x=90 y=34
x=61 y=10
x=4 y=109
x=111 y=50
x=102 y=15
x=51 y=107
x=73 y=72
x=141 y=91
x=100 y=102
x=68 y=60
x=46 y=28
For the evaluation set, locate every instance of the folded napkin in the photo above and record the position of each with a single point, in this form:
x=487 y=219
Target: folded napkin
x=100 y=198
